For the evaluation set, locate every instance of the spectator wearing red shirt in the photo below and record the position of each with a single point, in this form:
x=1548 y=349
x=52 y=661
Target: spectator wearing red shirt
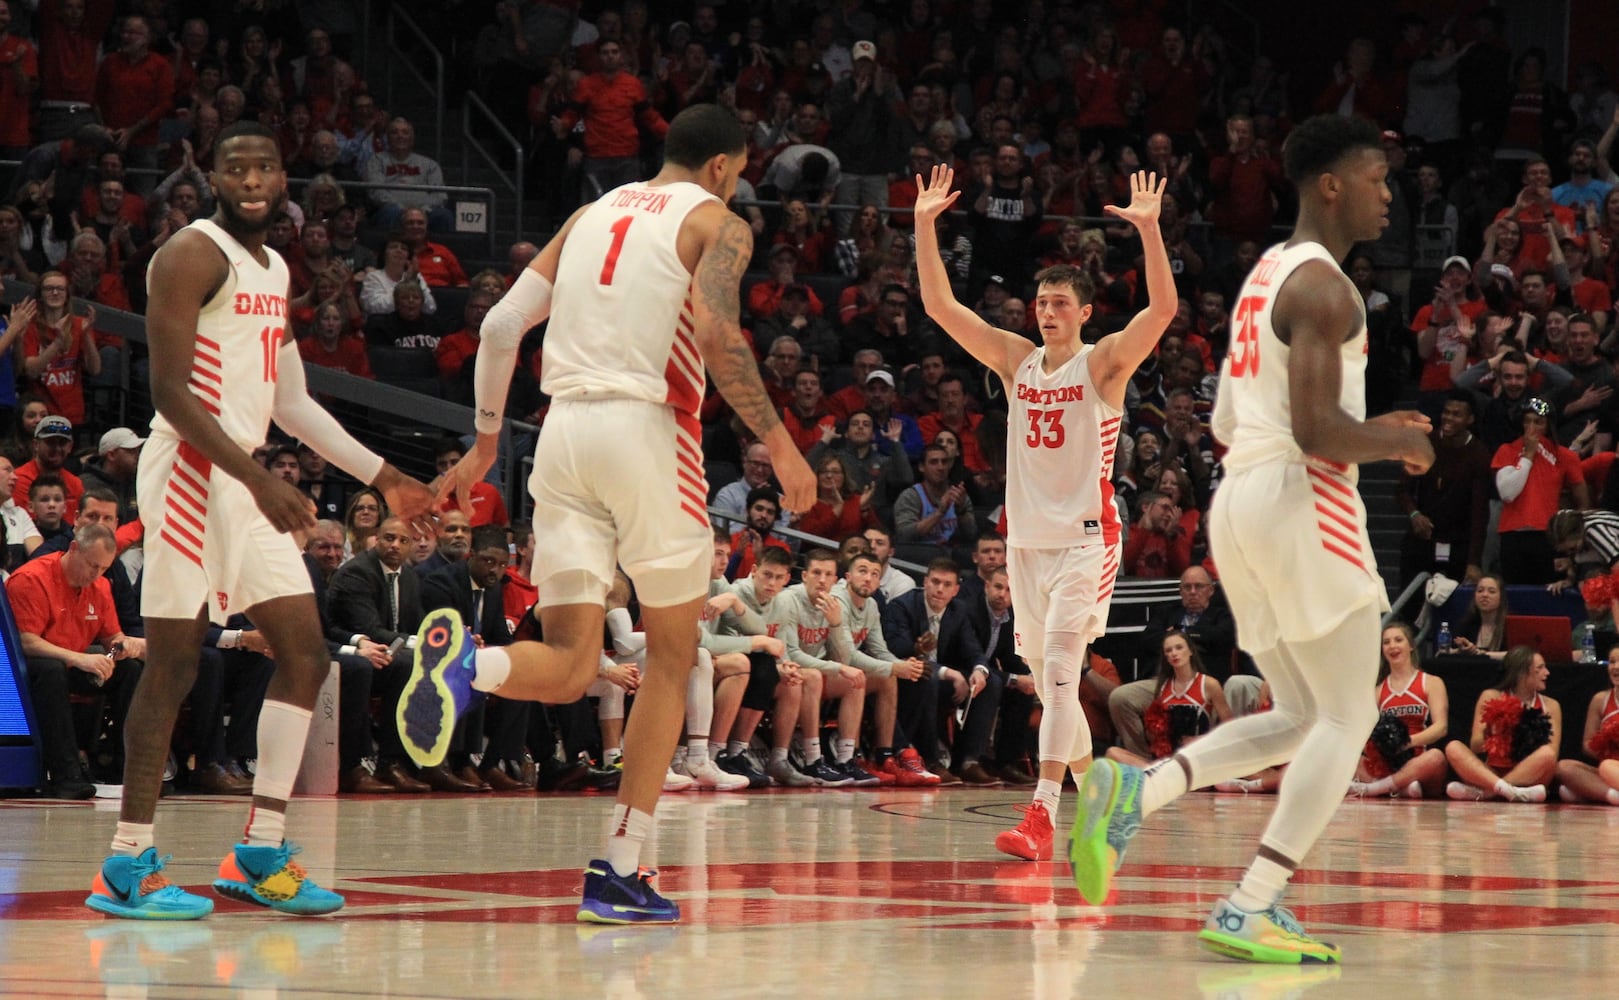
x=1591 y=296
x=1530 y=475
x=110 y=167
x=838 y=511
x=1158 y=548
x=456 y=353
x=134 y=91
x=761 y=512
x=487 y=506
x=764 y=297
x=1242 y=184
x=68 y=43
x=520 y=593
x=53 y=442
x=807 y=418
x=1174 y=86
x=437 y=263
x=1534 y=210
x=614 y=107
x=1101 y=85
x=19 y=77
x=852 y=397
x=1440 y=344
x=952 y=416
x=58 y=350
x=334 y=344
x=63 y=603
x=1357 y=90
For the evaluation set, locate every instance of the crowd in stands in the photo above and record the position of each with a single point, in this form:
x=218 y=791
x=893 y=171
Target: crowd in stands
x=1490 y=293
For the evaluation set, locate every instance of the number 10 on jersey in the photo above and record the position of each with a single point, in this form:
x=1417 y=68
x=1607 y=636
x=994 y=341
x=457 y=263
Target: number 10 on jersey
x=270 y=338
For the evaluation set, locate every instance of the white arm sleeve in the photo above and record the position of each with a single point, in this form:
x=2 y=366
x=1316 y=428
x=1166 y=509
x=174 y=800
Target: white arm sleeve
x=525 y=306
x=626 y=640
x=308 y=421
x=1510 y=480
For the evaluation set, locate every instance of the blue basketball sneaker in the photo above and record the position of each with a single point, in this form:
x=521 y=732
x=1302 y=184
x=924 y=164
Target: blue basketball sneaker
x=611 y=898
x=439 y=689
x=1109 y=815
x=1273 y=936
x=267 y=876
x=136 y=888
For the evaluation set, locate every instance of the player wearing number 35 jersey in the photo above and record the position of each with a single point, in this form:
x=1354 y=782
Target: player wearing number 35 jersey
x=1067 y=402
x=646 y=294
x=1288 y=534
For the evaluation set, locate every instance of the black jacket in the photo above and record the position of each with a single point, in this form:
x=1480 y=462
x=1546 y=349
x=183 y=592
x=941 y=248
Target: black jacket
x=906 y=618
x=356 y=602
x=451 y=587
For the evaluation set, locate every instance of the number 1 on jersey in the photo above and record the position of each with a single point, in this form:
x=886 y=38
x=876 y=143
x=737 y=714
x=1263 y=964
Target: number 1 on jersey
x=271 y=339
x=619 y=229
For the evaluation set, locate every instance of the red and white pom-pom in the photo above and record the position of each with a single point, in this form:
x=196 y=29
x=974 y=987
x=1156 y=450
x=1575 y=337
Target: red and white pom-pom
x=1155 y=720
x=1598 y=591
x=1501 y=717
x=1605 y=742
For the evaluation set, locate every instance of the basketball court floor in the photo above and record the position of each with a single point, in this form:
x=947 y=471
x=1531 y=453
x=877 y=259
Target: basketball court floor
x=852 y=895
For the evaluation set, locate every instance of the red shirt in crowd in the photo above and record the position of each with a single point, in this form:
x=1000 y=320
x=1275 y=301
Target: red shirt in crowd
x=1242 y=196
x=68 y=55
x=972 y=457
x=743 y=552
x=841 y=521
x=129 y=92
x=453 y=351
x=1174 y=93
x=61 y=384
x=613 y=105
x=764 y=298
x=74 y=618
x=1551 y=468
x=487 y=506
x=518 y=596
x=15 y=50
x=348 y=356
x=439 y=265
x=29 y=471
x=806 y=431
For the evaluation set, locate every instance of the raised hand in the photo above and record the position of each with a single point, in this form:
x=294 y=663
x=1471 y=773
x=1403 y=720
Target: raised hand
x=1146 y=198
x=933 y=194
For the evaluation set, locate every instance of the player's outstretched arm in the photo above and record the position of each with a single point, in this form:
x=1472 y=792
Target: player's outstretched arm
x=1118 y=356
x=308 y=421
x=185 y=273
x=716 y=311
x=1000 y=351
x=1315 y=314
x=524 y=307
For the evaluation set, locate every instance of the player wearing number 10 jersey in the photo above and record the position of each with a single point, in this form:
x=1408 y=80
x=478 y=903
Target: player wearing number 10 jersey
x=647 y=292
x=1067 y=402
x=1288 y=533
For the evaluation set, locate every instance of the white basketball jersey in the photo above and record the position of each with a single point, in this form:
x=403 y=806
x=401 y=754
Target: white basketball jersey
x=1060 y=439
x=1252 y=413
x=239 y=335
x=621 y=319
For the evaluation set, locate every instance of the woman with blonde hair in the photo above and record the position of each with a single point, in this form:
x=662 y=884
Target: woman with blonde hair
x=1512 y=752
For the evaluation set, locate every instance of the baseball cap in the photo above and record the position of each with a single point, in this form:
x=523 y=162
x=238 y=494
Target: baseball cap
x=996 y=279
x=880 y=376
x=781 y=248
x=1569 y=239
x=54 y=427
x=119 y=437
x=1503 y=271
x=1457 y=260
x=1392 y=137
x=863 y=50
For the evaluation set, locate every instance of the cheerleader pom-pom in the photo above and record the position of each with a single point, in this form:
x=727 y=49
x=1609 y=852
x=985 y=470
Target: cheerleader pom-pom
x=1501 y=717
x=1392 y=740
x=1599 y=591
x=1185 y=723
x=1605 y=743
x=1156 y=723
x=1533 y=731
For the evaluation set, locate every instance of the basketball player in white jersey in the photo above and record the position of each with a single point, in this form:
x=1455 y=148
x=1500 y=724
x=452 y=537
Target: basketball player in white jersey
x=217 y=522
x=1288 y=532
x=646 y=292
x=1067 y=401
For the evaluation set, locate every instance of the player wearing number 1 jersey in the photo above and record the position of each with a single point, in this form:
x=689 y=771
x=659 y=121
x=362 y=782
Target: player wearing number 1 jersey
x=217 y=525
x=647 y=291
x=1288 y=532
x=1067 y=401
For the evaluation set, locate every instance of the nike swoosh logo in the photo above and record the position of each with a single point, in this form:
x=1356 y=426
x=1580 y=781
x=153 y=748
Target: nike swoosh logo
x=1062 y=684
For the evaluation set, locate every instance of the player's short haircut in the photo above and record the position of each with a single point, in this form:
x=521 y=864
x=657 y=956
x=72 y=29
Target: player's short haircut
x=816 y=555
x=1515 y=357
x=944 y=564
x=1582 y=318
x=448 y=446
x=720 y=534
x=99 y=494
x=275 y=453
x=1466 y=396
x=765 y=492
x=700 y=133
x=46 y=481
x=1322 y=141
x=242 y=129
x=87 y=534
x=989 y=536
x=489 y=536
x=1071 y=277
x=867 y=556
x=774 y=555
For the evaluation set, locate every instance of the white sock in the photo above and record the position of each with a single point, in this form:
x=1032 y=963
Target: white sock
x=1261 y=886
x=283 y=731
x=1048 y=793
x=1503 y=789
x=131 y=838
x=778 y=755
x=491 y=666
x=735 y=747
x=810 y=748
x=1165 y=782
x=1567 y=794
x=1382 y=786
x=266 y=828
x=714 y=750
x=1413 y=790
x=843 y=751
x=1613 y=796
x=612 y=755
x=627 y=833
x=679 y=758
x=697 y=748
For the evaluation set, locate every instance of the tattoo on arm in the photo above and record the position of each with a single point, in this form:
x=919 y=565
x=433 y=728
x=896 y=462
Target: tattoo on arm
x=718 y=295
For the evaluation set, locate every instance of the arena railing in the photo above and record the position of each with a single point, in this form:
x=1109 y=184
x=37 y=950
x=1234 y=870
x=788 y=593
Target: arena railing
x=470 y=143
x=397 y=18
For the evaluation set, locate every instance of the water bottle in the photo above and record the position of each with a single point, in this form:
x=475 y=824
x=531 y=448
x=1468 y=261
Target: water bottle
x=1588 y=643
x=1441 y=642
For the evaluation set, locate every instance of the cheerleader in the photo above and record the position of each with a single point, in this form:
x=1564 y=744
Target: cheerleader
x=1517 y=730
x=1579 y=781
x=1402 y=757
x=1188 y=704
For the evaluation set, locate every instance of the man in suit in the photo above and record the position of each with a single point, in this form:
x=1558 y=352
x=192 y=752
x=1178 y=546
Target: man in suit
x=989 y=555
x=929 y=623
x=1202 y=614
x=476 y=588
x=992 y=620
x=376 y=595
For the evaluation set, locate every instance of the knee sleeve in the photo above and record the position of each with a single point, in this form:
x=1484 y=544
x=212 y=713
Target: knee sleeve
x=763 y=677
x=611 y=703
x=1065 y=735
x=700 y=694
